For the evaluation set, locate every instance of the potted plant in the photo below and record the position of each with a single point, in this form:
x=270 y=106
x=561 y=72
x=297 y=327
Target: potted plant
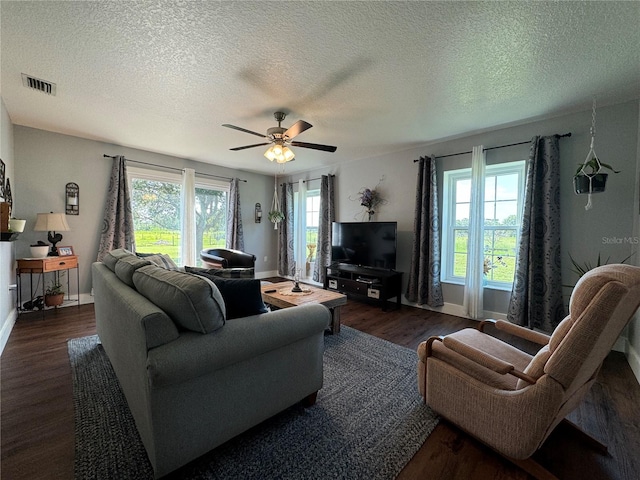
x=54 y=294
x=588 y=178
x=275 y=217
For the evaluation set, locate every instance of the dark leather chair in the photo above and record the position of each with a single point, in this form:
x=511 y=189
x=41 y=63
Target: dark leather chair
x=227 y=258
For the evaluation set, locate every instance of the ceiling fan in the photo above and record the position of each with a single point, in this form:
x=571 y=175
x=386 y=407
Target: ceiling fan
x=282 y=138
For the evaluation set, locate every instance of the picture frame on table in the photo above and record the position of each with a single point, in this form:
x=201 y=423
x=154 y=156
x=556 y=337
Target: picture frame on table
x=65 y=251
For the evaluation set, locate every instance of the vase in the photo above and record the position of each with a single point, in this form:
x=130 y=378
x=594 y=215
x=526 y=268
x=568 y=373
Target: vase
x=370 y=213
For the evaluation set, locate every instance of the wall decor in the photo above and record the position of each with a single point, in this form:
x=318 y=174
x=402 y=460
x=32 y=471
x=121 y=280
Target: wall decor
x=2 y=173
x=7 y=195
x=258 y=213
x=72 y=199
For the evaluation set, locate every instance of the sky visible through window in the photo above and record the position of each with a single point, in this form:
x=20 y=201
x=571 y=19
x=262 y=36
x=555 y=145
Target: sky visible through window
x=501 y=197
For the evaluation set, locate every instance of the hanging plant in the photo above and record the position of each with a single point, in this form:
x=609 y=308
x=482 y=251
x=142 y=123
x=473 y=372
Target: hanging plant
x=589 y=178
x=276 y=215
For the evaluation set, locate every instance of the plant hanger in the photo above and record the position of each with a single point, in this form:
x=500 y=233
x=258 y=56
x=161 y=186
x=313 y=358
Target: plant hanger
x=592 y=167
x=275 y=214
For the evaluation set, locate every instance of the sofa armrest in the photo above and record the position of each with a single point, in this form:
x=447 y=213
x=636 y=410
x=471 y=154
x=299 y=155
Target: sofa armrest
x=194 y=355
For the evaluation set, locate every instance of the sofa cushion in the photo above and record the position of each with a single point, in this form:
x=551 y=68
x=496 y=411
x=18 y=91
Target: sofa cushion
x=125 y=267
x=111 y=258
x=160 y=259
x=242 y=296
x=193 y=302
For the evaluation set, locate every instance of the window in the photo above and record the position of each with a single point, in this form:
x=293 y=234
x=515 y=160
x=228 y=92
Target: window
x=157 y=215
x=504 y=190
x=305 y=230
x=313 y=217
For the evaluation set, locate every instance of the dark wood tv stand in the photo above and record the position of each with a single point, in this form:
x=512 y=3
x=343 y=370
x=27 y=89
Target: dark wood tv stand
x=371 y=283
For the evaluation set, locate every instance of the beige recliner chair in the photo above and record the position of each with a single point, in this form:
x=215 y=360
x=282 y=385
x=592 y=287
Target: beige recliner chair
x=512 y=401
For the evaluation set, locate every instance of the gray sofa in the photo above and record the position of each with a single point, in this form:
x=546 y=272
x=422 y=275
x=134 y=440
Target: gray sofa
x=192 y=378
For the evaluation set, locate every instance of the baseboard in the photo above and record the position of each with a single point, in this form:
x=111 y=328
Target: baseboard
x=621 y=345
x=267 y=274
x=86 y=298
x=7 y=326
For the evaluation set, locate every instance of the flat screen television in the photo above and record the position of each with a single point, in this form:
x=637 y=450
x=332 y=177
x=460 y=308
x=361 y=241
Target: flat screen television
x=366 y=244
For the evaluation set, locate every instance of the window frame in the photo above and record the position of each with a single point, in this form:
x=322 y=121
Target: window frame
x=174 y=177
x=449 y=227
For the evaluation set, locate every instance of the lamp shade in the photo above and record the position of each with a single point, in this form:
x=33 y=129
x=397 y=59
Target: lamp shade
x=51 y=222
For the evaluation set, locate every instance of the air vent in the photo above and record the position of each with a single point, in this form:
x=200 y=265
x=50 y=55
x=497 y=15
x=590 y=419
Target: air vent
x=37 y=84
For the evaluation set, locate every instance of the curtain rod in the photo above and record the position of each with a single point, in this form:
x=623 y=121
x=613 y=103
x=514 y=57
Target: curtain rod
x=173 y=168
x=309 y=180
x=493 y=148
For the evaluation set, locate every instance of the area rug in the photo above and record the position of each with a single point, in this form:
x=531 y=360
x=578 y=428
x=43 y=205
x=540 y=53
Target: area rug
x=367 y=423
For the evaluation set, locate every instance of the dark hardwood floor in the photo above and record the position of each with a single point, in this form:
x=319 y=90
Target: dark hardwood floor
x=37 y=409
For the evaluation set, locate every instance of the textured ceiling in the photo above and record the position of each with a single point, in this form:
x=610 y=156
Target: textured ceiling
x=372 y=77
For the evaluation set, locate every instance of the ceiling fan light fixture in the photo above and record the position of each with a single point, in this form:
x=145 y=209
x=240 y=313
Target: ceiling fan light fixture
x=269 y=154
x=288 y=154
x=279 y=153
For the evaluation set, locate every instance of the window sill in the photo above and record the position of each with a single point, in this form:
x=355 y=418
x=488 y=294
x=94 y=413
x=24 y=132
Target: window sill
x=489 y=286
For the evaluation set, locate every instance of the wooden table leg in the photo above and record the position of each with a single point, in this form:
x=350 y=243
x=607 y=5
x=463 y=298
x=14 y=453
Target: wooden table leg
x=335 y=319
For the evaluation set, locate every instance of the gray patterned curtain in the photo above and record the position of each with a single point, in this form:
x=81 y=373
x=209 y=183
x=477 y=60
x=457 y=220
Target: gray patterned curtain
x=117 y=226
x=424 y=275
x=536 y=296
x=286 y=259
x=327 y=217
x=235 y=237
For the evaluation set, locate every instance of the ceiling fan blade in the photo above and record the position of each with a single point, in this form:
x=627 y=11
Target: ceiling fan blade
x=315 y=146
x=244 y=130
x=249 y=146
x=297 y=128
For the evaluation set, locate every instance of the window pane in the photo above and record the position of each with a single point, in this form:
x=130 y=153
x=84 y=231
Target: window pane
x=462 y=214
x=507 y=188
x=460 y=265
x=490 y=213
x=500 y=252
x=490 y=188
x=211 y=219
x=156 y=216
x=463 y=191
x=460 y=252
x=507 y=212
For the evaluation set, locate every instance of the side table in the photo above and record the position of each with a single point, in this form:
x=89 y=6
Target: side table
x=41 y=266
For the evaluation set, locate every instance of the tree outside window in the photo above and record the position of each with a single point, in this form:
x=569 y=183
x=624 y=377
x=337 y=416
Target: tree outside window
x=504 y=188
x=157 y=217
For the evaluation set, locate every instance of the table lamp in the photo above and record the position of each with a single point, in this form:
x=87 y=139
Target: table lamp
x=52 y=223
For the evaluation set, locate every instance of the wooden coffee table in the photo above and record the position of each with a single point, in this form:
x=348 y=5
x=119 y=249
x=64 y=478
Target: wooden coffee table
x=283 y=297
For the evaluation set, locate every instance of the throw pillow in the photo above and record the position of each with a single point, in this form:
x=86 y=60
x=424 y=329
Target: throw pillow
x=111 y=258
x=193 y=302
x=126 y=266
x=242 y=296
x=161 y=259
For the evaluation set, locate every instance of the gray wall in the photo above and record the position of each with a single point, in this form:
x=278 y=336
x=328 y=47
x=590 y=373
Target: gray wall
x=48 y=161
x=8 y=310
x=584 y=233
